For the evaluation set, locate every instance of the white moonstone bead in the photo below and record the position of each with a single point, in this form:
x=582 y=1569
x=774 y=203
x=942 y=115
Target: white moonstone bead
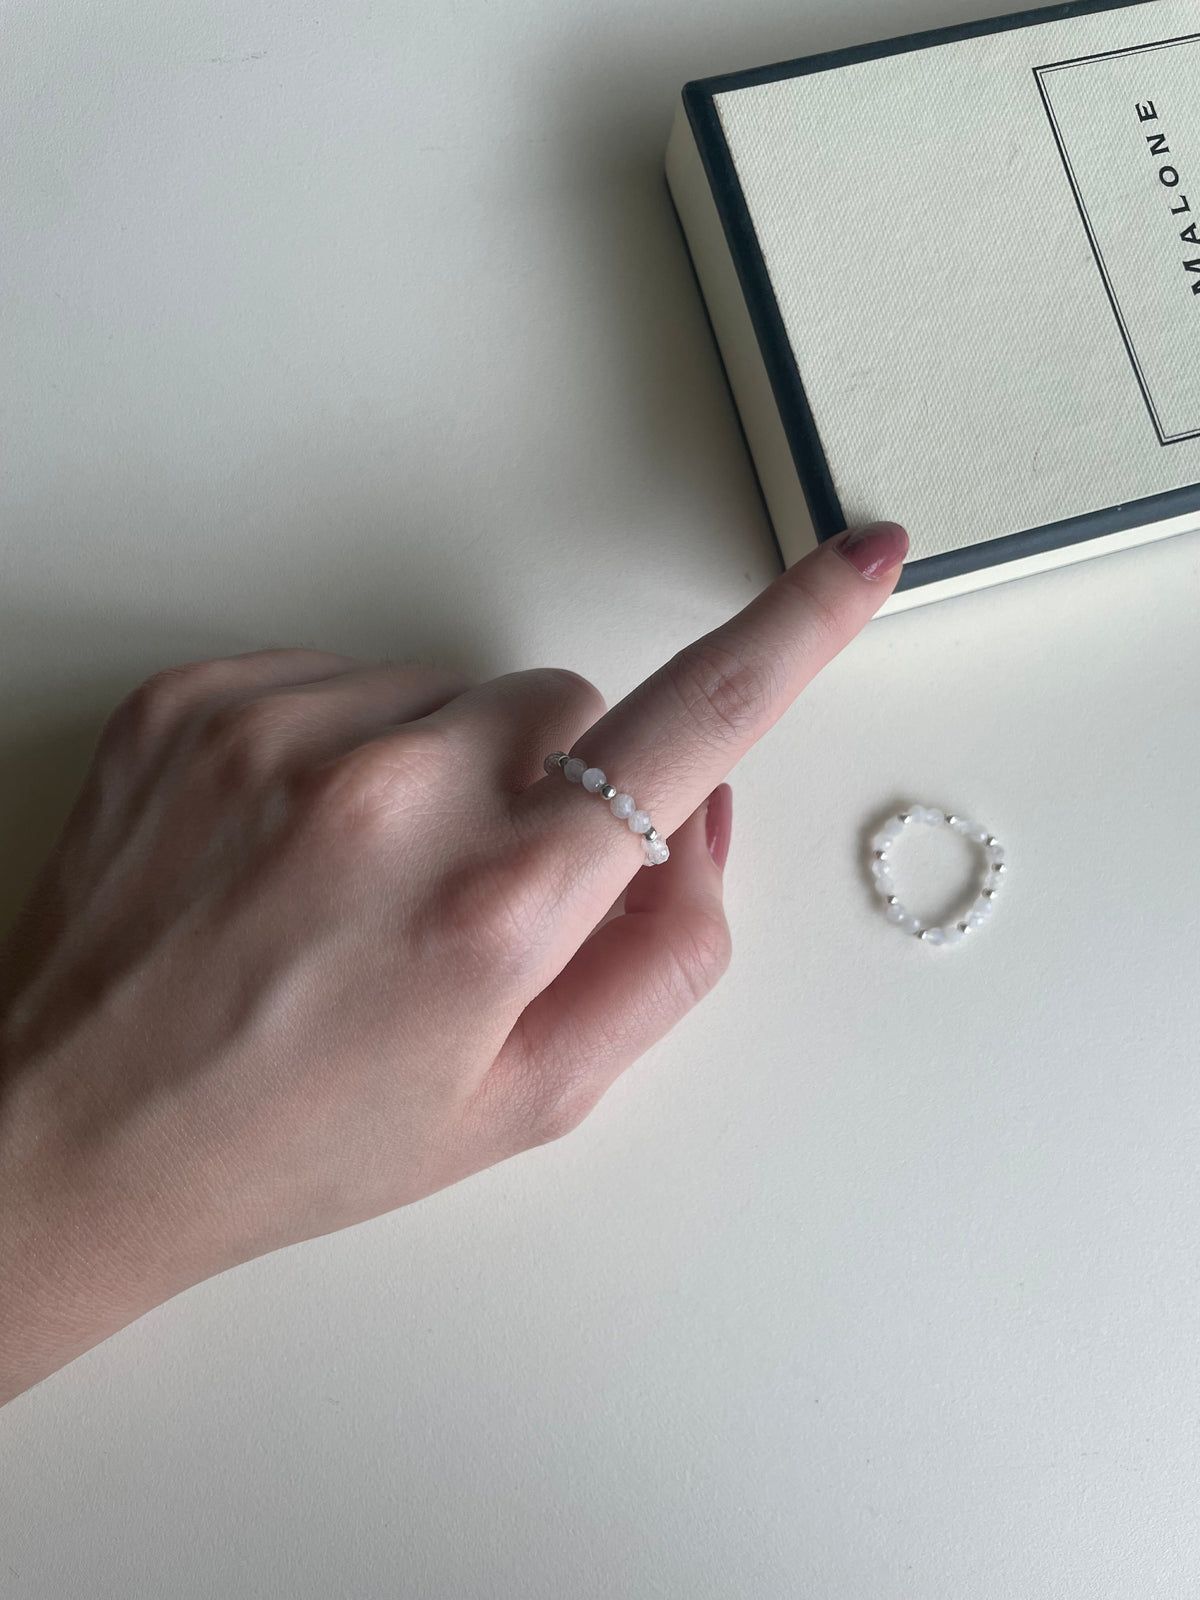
x=994 y=880
x=593 y=780
x=934 y=936
x=622 y=805
x=979 y=913
x=995 y=854
x=656 y=852
x=575 y=770
x=953 y=934
x=910 y=924
x=882 y=840
x=885 y=888
x=934 y=818
x=640 y=822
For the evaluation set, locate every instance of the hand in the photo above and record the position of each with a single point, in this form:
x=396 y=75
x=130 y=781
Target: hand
x=320 y=938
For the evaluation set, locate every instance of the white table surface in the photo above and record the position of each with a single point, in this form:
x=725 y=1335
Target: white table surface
x=369 y=326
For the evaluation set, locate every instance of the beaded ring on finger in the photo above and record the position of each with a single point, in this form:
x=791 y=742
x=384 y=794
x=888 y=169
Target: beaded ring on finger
x=994 y=874
x=622 y=806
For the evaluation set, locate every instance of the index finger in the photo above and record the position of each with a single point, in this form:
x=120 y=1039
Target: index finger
x=677 y=735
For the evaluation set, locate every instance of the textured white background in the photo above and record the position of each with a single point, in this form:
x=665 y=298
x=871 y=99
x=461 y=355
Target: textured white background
x=369 y=326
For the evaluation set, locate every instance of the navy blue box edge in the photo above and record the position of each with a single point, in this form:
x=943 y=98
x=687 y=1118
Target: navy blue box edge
x=778 y=358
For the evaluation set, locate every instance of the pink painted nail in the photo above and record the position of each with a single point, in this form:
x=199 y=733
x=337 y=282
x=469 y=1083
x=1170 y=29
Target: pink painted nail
x=718 y=824
x=874 y=551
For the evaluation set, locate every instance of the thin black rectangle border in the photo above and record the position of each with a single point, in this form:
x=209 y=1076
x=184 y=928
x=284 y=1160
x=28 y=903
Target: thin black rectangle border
x=1110 y=290
x=779 y=360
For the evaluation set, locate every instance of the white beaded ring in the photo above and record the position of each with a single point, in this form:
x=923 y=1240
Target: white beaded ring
x=993 y=878
x=622 y=806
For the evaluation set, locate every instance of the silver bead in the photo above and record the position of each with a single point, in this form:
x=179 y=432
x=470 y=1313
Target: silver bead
x=964 y=927
x=999 y=866
x=608 y=792
x=651 y=834
x=893 y=899
x=953 y=821
x=881 y=855
x=992 y=844
x=905 y=816
x=990 y=894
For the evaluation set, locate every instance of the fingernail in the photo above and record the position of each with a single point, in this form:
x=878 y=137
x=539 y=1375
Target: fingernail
x=718 y=824
x=875 y=550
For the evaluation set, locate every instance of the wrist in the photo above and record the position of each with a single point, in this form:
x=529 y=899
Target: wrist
x=74 y=1269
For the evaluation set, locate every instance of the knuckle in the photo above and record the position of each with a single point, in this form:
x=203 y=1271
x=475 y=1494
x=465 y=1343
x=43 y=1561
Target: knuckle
x=331 y=806
x=721 y=690
x=158 y=703
x=533 y=1105
x=363 y=791
x=243 y=739
x=558 y=1112
x=242 y=743
x=560 y=683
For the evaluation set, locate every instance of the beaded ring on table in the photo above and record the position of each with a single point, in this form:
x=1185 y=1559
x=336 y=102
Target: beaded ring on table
x=622 y=806
x=993 y=877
